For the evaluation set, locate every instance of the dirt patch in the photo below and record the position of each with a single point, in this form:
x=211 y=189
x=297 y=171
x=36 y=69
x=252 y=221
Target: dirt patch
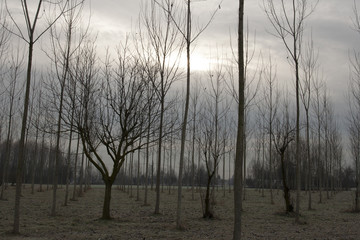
x=132 y=220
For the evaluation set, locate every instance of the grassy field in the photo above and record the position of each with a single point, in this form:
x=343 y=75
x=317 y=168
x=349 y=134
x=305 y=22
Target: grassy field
x=131 y=220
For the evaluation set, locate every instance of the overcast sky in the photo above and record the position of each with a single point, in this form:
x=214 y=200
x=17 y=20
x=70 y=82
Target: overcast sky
x=330 y=25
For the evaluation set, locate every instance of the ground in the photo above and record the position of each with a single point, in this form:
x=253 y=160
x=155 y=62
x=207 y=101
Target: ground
x=131 y=220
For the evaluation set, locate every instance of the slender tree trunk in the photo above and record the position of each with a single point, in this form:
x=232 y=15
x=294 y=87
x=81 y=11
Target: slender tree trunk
x=263 y=169
x=229 y=179
x=21 y=159
x=131 y=174
x=270 y=148
x=319 y=158
x=193 y=156
x=75 y=168
x=42 y=161
x=224 y=159
x=170 y=161
x=68 y=162
x=49 y=164
x=357 y=191
x=34 y=162
x=147 y=168
x=81 y=180
x=163 y=171
x=138 y=175
x=297 y=134
x=244 y=160
x=179 y=224
x=238 y=179
x=152 y=169
x=308 y=157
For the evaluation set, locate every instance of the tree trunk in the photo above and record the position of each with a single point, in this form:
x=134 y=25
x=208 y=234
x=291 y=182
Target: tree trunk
x=288 y=206
x=107 y=198
x=193 y=156
x=309 y=160
x=68 y=168
x=238 y=178
x=138 y=175
x=158 y=173
x=21 y=159
x=147 y=169
x=80 y=194
x=75 y=169
x=207 y=212
x=147 y=164
x=357 y=191
x=42 y=161
x=184 y=123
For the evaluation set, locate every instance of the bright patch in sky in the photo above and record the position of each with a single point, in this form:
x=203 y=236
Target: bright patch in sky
x=198 y=62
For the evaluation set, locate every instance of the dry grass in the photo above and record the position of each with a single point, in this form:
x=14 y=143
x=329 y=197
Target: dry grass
x=132 y=220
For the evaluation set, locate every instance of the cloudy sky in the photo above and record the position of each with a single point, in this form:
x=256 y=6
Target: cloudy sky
x=330 y=25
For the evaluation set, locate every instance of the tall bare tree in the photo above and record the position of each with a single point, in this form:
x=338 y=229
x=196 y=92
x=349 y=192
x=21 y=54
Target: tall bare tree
x=318 y=111
x=12 y=93
x=195 y=100
x=30 y=36
x=309 y=70
x=354 y=110
x=283 y=135
x=62 y=52
x=189 y=37
x=287 y=20
x=271 y=100
x=212 y=129
x=165 y=48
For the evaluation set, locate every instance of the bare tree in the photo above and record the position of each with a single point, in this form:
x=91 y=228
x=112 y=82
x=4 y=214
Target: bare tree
x=111 y=113
x=283 y=135
x=12 y=93
x=195 y=99
x=62 y=52
x=34 y=162
x=212 y=129
x=271 y=100
x=319 y=115
x=189 y=37
x=30 y=36
x=309 y=68
x=165 y=47
x=288 y=22
x=354 y=110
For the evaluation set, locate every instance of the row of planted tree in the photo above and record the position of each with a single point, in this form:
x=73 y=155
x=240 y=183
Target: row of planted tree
x=118 y=115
